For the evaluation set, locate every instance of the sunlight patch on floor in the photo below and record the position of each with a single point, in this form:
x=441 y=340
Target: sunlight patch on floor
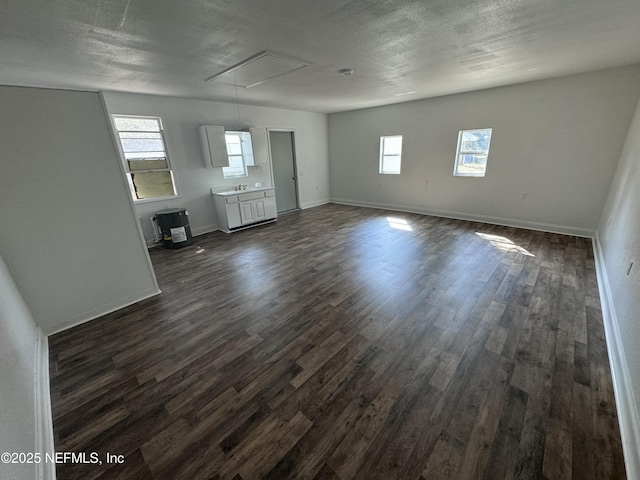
x=399 y=224
x=504 y=244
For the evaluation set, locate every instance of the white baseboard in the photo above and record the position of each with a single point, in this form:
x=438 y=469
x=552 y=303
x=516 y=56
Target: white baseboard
x=625 y=402
x=206 y=229
x=106 y=309
x=507 y=222
x=316 y=203
x=43 y=420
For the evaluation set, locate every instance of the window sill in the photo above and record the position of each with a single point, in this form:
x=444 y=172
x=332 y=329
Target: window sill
x=156 y=199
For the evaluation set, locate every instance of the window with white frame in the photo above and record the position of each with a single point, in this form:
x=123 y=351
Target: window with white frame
x=145 y=157
x=236 y=152
x=390 y=154
x=472 y=153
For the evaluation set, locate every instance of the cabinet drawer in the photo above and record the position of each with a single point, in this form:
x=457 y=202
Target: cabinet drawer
x=232 y=199
x=244 y=197
x=270 y=193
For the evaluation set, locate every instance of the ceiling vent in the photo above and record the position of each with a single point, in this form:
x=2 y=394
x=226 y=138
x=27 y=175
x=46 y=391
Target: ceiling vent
x=258 y=69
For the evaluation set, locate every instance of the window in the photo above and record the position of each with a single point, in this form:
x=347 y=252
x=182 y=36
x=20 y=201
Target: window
x=145 y=157
x=237 y=165
x=390 y=154
x=472 y=153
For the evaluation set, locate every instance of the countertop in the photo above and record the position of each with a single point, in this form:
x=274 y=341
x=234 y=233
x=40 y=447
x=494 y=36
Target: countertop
x=237 y=192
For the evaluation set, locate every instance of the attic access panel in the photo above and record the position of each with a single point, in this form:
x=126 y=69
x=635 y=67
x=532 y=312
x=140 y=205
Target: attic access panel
x=258 y=69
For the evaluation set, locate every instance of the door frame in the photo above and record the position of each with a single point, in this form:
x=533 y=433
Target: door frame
x=293 y=132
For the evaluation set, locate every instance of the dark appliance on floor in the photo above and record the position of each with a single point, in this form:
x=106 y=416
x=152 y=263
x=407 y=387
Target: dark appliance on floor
x=174 y=225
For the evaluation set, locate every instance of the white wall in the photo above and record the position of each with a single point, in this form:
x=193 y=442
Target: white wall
x=619 y=239
x=69 y=234
x=18 y=344
x=23 y=422
x=181 y=119
x=556 y=140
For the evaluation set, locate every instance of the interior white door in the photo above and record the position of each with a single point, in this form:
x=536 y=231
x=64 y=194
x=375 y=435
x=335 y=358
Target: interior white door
x=284 y=170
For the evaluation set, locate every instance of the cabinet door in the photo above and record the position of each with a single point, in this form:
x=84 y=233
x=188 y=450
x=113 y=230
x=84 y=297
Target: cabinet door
x=259 y=210
x=260 y=146
x=246 y=212
x=233 y=215
x=214 y=146
x=270 y=204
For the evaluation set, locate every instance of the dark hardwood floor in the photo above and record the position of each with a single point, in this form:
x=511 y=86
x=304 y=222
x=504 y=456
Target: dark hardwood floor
x=349 y=343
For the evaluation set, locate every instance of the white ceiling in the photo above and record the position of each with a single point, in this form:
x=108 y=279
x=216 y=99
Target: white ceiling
x=430 y=47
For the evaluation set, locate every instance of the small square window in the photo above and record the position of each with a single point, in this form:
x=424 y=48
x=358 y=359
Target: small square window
x=390 y=154
x=472 y=153
x=236 y=153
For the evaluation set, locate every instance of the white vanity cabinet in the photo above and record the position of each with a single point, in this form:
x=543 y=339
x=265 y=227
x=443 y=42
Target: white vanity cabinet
x=244 y=209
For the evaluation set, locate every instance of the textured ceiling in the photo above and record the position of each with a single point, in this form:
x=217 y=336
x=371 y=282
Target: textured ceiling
x=430 y=47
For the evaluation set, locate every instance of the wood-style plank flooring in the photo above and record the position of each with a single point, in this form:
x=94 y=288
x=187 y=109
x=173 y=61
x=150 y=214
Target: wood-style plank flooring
x=349 y=343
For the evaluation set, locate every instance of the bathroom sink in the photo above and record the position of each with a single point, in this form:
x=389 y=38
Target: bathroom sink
x=236 y=192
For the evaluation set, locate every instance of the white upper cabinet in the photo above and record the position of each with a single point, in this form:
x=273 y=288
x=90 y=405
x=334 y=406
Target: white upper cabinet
x=214 y=146
x=260 y=146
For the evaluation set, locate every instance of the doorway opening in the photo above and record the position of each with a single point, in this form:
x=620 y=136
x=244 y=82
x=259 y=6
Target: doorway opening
x=285 y=175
